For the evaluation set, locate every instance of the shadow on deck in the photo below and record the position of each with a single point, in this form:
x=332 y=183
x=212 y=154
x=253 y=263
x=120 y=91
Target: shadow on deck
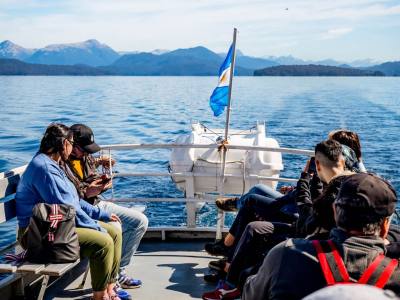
x=169 y=270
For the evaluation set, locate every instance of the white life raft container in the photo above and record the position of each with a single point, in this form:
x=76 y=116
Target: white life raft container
x=242 y=166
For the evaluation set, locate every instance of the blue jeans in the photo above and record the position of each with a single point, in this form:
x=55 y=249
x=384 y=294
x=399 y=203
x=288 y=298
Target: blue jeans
x=259 y=189
x=134 y=226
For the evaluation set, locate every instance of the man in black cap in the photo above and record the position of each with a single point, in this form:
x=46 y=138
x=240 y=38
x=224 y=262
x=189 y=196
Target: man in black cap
x=81 y=169
x=355 y=252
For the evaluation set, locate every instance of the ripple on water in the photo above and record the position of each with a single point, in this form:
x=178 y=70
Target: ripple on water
x=299 y=112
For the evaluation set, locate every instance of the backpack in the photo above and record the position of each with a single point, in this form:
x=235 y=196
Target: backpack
x=51 y=235
x=378 y=272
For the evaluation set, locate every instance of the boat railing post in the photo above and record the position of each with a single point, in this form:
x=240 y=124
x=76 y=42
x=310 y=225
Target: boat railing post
x=190 y=206
x=111 y=172
x=220 y=213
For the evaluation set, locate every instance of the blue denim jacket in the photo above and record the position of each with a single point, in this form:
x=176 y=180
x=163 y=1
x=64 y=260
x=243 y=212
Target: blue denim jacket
x=44 y=181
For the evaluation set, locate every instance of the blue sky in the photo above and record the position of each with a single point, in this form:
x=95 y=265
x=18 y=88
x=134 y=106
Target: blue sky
x=310 y=29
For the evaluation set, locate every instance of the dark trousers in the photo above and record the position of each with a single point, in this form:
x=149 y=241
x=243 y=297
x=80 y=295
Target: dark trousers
x=258 y=207
x=258 y=238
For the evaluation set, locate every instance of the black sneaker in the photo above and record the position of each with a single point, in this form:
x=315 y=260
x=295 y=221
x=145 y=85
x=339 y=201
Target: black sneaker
x=227 y=204
x=214 y=277
x=218 y=265
x=218 y=248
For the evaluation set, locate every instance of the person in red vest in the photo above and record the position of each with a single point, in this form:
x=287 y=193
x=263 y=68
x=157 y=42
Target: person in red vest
x=355 y=252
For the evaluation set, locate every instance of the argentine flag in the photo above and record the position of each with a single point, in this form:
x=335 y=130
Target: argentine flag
x=219 y=98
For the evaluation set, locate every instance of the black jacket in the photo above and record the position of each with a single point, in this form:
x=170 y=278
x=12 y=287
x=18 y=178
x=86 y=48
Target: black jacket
x=291 y=270
x=316 y=213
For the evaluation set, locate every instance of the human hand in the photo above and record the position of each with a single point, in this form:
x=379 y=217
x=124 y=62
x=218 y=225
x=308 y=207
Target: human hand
x=94 y=188
x=286 y=189
x=107 y=184
x=105 y=161
x=307 y=166
x=115 y=218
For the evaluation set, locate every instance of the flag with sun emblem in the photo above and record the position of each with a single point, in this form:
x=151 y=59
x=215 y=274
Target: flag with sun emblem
x=219 y=98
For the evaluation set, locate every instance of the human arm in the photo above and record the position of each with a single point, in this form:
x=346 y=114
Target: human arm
x=304 y=201
x=54 y=188
x=96 y=187
x=94 y=212
x=316 y=187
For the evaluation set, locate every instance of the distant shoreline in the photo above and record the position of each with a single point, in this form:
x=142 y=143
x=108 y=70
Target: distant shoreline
x=14 y=67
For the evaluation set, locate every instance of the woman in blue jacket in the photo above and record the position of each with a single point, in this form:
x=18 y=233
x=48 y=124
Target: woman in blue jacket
x=44 y=181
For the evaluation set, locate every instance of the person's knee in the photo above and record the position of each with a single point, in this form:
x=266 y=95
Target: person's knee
x=260 y=227
x=137 y=221
x=249 y=200
x=144 y=222
x=115 y=234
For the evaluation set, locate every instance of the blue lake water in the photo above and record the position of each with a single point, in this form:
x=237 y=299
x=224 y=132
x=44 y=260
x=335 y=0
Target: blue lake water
x=298 y=111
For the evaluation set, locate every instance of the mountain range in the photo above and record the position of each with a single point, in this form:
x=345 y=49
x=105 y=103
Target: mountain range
x=196 y=61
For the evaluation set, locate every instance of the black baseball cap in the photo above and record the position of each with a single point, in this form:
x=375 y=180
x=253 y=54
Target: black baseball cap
x=84 y=137
x=366 y=198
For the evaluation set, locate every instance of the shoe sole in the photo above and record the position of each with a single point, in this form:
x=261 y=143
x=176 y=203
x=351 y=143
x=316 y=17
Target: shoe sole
x=130 y=287
x=216 y=268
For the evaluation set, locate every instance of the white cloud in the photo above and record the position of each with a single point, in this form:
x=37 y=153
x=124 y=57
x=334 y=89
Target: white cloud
x=264 y=26
x=336 y=33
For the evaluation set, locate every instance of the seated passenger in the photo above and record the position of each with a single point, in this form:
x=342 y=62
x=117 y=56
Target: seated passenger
x=351 y=140
x=81 y=169
x=260 y=208
x=259 y=237
x=351 y=152
x=44 y=181
x=295 y=268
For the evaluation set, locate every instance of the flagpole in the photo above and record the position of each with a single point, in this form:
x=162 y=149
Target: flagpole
x=221 y=215
x=228 y=111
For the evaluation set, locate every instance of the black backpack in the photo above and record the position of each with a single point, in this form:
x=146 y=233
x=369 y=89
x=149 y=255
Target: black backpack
x=51 y=235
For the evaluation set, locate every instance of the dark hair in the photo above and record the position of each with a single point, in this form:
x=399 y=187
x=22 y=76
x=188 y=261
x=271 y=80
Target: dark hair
x=359 y=219
x=53 y=138
x=348 y=138
x=330 y=149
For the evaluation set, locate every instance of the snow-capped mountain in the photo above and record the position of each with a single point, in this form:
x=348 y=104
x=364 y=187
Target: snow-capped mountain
x=10 y=50
x=90 y=52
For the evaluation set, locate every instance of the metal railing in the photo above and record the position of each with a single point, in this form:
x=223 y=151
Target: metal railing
x=191 y=200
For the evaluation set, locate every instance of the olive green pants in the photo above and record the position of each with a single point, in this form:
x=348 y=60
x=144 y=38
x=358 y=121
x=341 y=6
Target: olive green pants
x=103 y=250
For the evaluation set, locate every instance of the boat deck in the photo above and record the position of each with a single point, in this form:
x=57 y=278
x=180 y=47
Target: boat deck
x=169 y=270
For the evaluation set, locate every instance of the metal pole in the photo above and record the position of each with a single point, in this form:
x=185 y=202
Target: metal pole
x=221 y=214
x=228 y=111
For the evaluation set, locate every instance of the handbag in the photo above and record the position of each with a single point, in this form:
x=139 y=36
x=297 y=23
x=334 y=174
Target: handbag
x=51 y=235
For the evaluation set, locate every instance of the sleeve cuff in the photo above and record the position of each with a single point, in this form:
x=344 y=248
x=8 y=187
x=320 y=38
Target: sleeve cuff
x=104 y=216
x=305 y=175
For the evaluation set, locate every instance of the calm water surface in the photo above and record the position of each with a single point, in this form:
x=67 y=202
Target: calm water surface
x=299 y=112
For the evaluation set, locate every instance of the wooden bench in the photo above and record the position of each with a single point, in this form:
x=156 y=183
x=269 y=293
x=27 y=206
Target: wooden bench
x=25 y=274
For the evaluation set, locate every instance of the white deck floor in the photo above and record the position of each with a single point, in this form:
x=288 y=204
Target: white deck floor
x=169 y=270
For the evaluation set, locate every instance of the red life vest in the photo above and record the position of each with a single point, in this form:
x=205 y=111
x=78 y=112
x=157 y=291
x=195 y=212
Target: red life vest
x=378 y=272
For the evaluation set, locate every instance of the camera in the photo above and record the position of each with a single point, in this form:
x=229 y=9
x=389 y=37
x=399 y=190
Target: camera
x=105 y=177
x=312 y=168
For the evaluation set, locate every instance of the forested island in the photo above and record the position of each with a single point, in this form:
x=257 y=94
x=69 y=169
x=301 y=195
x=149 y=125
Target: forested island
x=314 y=70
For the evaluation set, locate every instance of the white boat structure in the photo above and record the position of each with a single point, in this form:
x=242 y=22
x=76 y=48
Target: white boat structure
x=243 y=168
